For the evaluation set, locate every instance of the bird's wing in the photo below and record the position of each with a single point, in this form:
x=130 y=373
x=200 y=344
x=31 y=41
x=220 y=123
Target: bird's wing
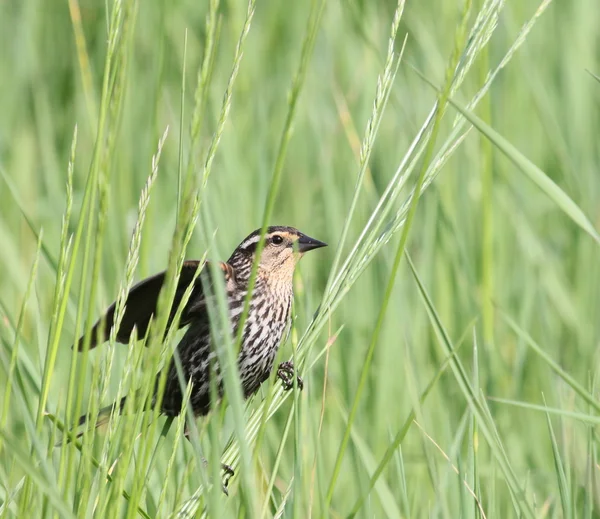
x=142 y=300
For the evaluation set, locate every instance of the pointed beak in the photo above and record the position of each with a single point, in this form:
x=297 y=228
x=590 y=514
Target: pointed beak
x=306 y=243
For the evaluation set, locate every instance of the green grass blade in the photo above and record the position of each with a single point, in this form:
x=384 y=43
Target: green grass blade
x=534 y=173
x=582 y=417
x=528 y=340
x=486 y=426
x=385 y=494
x=24 y=461
x=563 y=485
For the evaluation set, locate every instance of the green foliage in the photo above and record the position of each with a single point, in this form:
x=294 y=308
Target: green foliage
x=137 y=134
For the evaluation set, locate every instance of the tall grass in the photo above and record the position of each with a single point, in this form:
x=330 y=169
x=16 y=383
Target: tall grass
x=447 y=337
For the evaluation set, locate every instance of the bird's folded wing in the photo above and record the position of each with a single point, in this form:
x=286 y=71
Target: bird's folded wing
x=142 y=301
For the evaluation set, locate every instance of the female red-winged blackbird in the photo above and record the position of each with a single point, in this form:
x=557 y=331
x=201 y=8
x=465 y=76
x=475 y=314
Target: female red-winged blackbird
x=268 y=318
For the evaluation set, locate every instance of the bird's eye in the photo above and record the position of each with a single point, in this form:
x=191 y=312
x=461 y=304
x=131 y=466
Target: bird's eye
x=277 y=240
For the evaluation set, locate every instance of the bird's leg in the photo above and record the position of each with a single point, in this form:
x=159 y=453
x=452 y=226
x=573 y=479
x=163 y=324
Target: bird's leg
x=229 y=472
x=286 y=373
x=227 y=469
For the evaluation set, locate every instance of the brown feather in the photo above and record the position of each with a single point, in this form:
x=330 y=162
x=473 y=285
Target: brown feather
x=268 y=317
x=141 y=303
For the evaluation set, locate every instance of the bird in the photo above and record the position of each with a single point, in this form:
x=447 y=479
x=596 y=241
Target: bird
x=268 y=319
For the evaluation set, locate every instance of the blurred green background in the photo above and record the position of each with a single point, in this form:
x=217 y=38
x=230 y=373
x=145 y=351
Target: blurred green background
x=527 y=260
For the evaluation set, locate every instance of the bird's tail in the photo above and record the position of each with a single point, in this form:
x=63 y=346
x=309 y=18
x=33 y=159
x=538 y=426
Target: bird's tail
x=105 y=413
x=103 y=416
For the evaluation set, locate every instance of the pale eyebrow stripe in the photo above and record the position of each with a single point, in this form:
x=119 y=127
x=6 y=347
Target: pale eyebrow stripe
x=252 y=241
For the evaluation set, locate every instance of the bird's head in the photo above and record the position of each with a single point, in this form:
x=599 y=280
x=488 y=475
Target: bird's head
x=284 y=246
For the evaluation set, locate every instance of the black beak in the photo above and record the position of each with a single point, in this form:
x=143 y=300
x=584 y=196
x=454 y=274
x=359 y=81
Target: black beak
x=306 y=243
